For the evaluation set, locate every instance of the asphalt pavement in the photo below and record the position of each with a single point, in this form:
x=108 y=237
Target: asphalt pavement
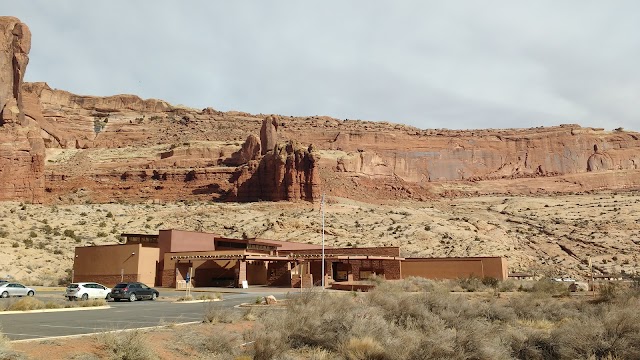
x=120 y=315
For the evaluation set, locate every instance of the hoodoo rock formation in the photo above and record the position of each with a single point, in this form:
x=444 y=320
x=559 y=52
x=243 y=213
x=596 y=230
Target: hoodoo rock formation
x=21 y=146
x=289 y=172
x=269 y=134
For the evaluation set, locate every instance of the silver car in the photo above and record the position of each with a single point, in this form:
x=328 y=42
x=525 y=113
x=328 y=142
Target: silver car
x=15 y=289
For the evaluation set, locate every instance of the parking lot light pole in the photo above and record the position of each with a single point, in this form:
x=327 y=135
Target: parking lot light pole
x=322 y=208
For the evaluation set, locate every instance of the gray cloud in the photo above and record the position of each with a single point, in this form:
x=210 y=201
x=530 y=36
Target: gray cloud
x=431 y=64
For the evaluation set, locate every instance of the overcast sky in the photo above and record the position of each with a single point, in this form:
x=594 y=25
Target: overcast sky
x=431 y=64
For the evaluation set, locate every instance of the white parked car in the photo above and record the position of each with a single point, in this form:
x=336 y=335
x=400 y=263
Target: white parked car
x=86 y=291
x=14 y=289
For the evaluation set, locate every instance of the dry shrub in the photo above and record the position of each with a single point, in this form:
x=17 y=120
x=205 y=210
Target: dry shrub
x=615 y=331
x=388 y=323
x=91 y=303
x=507 y=285
x=84 y=357
x=268 y=342
x=215 y=313
x=528 y=343
x=541 y=306
x=608 y=292
x=549 y=287
x=362 y=349
x=479 y=339
x=313 y=354
x=471 y=284
x=213 y=342
x=6 y=353
x=126 y=345
x=26 y=303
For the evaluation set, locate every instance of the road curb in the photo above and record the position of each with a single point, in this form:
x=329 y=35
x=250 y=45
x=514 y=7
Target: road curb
x=104 y=332
x=54 y=310
x=195 y=301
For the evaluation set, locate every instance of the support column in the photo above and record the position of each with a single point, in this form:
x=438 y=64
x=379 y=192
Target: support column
x=242 y=272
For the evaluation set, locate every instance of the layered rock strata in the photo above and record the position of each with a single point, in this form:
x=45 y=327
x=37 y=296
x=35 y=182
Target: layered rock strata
x=21 y=146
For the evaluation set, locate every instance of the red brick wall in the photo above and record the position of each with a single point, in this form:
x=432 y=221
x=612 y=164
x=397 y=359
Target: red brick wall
x=169 y=278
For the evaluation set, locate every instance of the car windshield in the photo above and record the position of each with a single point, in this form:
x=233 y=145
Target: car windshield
x=73 y=286
x=120 y=286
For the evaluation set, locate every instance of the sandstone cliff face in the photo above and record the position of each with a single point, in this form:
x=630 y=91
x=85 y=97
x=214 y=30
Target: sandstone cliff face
x=434 y=156
x=21 y=146
x=128 y=148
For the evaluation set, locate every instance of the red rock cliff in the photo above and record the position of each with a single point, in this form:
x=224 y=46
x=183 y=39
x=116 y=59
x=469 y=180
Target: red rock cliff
x=21 y=146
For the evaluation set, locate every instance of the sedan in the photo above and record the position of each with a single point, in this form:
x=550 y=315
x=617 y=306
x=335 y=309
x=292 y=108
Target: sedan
x=86 y=291
x=133 y=291
x=15 y=289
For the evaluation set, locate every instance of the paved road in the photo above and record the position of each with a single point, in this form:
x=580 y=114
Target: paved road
x=121 y=315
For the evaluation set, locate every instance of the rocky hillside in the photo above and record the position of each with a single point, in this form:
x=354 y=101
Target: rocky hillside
x=552 y=235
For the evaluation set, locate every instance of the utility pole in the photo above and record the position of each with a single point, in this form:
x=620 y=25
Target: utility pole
x=322 y=208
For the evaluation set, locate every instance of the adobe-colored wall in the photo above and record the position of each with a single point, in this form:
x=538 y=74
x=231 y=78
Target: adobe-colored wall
x=257 y=273
x=149 y=257
x=454 y=268
x=279 y=274
x=201 y=267
x=105 y=263
x=389 y=269
x=179 y=241
x=380 y=251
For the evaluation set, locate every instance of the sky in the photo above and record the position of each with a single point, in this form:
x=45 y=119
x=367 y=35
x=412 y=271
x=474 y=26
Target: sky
x=430 y=64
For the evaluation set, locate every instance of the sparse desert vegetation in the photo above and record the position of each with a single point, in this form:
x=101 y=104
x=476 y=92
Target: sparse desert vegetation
x=409 y=319
x=551 y=235
x=30 y=303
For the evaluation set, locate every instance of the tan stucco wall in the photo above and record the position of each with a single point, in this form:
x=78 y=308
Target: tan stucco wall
x=453 y=268
x=106 y=263
x=147 y=265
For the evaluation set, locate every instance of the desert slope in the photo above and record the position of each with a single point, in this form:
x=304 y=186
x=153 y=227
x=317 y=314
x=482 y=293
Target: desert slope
x=553 y=235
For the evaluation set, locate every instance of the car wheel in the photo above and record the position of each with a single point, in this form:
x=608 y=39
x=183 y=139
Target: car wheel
x=132 y=298
x=71 y=298
x=31 y=293
x=108 y=297
x=85 y=297
x=5 y=294
x=154 y=296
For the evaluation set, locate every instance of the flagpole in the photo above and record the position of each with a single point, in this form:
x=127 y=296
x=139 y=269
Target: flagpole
x=322 y=208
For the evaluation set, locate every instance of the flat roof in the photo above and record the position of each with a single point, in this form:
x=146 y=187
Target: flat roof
x=292 y=257
x=140 y=235
x=458 y=258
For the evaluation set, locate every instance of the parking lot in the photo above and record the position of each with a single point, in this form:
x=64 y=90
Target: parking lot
x=120 y=315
